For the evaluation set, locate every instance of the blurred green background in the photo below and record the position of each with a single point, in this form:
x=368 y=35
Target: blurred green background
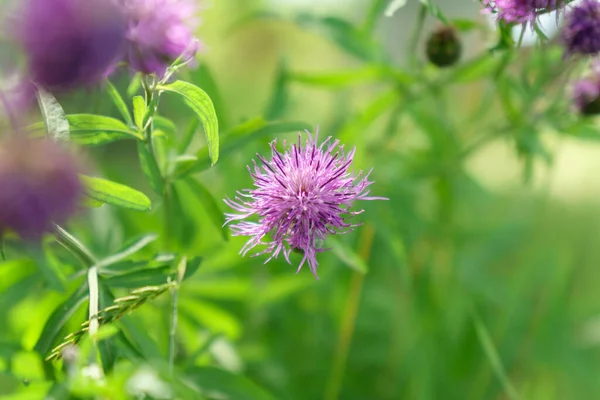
x=476 y=280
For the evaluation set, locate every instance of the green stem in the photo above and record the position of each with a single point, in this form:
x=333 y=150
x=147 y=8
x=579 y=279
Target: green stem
x=416 y=36
x=334 y=386
x=175 y=299
x=85 y=256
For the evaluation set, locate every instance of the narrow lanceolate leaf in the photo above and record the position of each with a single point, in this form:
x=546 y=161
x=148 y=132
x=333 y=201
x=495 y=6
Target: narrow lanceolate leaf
x=150 y=168
x=95 y=130
x=57 y=126
x=131 y=248
x=115 y=194
x=209 y=204
x=119 y=102
x=59 y=318
x=234 y=387
x=347 y=255
x=202 y=105
x=139 y=111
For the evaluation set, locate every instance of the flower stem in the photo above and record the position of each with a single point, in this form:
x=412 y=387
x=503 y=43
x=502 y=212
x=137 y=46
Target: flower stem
x=181 y=268
x=77 y=248
x=416 y=36
x=333 y=388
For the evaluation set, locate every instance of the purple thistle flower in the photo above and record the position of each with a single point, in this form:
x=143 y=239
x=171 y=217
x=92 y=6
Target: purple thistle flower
x=586 y=93
x=582 y=28
x=520 y=11
x=300 y=197
x=160 y=31
x=70 y=43
x=40 y=185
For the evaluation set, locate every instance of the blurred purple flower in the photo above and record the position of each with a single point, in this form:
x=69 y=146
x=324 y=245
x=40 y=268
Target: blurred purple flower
x=586 y=93
x=160 y=31
x=300 y=197
x=582 y=28
x=40 y=185
x=520 y=11
x=70 y=43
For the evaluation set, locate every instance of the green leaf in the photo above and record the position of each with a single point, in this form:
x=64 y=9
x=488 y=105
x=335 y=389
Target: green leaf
x=116 y=194
x=348 y=37
x=394 y=6
x=280 y=96
x=478 y=68
x=139 y=111
x=95 y=130
x=188 y=136
x=245 y=133
x=131 y=248
x=434 y=10
x=347 y=255
x=202 y=105
x=209 y=203
x=364 y=118
x=58 y=319
x=119 y=102
x=135 y=84
x=150 y=168
x=164 y=124
x=233 y=387
x=54 y=117
x=203 y=77
x=342 y=79
x=137 y=279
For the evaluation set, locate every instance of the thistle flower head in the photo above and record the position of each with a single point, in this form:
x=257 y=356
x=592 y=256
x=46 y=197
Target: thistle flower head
x=582 y=28
x=70 y=43
x=299 y=198
x=40 y=185
x=159 y=32
x=520 y=11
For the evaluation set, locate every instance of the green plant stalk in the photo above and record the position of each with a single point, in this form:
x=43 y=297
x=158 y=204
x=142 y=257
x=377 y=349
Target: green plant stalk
x=175 y=298
x=334 y=384
x=416 y=36
x=85 y=256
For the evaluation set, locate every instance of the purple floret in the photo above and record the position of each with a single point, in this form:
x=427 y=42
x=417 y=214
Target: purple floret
x=300 y=197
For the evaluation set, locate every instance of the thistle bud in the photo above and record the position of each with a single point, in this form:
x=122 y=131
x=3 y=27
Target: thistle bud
x=443 y=47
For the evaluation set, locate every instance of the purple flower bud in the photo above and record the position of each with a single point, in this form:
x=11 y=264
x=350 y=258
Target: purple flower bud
x=40 y=185
x=70 y=43
x=160 y=31
x=520 y=11
x=582 y=28
x=300 y=197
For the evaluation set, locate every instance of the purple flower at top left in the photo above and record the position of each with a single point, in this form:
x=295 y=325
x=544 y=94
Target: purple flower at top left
x=70 y=43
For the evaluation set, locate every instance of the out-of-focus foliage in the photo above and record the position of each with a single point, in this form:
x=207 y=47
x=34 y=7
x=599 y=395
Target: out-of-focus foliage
x=461 y=286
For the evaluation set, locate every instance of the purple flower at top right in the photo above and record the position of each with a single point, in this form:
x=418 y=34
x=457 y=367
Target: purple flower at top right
x=581 y=34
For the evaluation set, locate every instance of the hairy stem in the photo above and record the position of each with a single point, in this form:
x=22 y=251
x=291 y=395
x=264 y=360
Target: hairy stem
x=334 y=385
